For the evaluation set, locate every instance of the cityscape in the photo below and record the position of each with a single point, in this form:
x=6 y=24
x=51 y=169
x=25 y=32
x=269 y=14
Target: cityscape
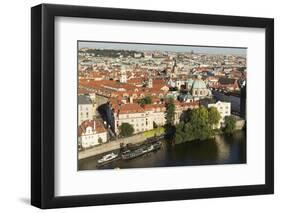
x=160 y=105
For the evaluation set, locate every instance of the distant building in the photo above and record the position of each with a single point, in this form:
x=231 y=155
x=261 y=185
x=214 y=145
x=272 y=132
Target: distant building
x=147 y=55
x=137 y=55
x=85 y=108
x=91 y=133
x=150 y=83
x=123 y=78
x=228 y=84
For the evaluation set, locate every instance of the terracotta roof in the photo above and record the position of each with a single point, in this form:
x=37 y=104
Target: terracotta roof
x=130 y=108
x=226 y=81
x=83 y=126
x=135 y=80
x=186 y=105
x=154 y=107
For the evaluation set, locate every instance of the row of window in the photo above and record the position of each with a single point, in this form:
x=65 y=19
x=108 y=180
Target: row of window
x=81 y=114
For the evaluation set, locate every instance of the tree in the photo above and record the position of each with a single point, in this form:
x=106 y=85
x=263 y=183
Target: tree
x=213 y=116
x=100 y=140
x=199 y=121
x=126 y=129
x=155 y=126
x=170 y=112
x=145 y=100
x=198 y=126
x=178 y=139
x=230 y=123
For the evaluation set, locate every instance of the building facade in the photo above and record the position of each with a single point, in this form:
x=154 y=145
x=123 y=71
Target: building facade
x=91 y=133
x=224 y=108
x=86 y=110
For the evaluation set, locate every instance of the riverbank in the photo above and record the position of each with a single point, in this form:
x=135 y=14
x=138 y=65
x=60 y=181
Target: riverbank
x=110 y=146
x=223 y=149
x=114 y=145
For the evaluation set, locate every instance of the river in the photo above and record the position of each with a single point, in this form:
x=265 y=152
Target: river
x=223 y=149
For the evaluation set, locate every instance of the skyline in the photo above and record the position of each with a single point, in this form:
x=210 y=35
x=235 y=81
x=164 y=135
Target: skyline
x=242 y=51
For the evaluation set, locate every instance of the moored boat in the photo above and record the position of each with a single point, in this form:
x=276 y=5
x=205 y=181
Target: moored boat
x=108 y=157
x=130 y=154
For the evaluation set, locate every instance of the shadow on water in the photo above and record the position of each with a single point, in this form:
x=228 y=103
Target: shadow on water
x=223 y=149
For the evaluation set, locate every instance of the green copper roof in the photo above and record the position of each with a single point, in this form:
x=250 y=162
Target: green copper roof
x=189 y=82
x=198 y=84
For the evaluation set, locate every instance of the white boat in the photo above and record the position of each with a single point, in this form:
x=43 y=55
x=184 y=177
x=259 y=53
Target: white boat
x=108 y=157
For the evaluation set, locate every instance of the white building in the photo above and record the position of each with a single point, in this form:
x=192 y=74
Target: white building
x=155 y=113
x=85 y=108
x=142 y=118
x=224 y=108
x=130 y=113
x=91 y=133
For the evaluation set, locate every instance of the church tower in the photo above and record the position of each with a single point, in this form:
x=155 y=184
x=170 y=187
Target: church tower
x=175 y=67
x=150 y=82
x=123 y=78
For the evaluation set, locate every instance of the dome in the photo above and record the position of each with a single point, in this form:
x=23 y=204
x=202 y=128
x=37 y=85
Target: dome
x=198 y=84
x=189 y=82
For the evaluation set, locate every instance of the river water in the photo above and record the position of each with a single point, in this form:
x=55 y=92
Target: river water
x=223 y=149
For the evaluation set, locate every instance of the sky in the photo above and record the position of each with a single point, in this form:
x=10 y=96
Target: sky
x=162 y=47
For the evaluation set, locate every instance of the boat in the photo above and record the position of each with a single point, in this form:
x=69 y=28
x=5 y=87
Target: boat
x=155 y=139
x=130 y=154
x=108 y=157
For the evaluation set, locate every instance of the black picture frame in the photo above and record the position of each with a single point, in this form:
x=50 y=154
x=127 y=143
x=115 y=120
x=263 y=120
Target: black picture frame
x=43 y=102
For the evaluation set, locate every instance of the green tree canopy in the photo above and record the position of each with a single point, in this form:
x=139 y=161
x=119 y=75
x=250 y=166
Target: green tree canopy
x=213 y=116
x=126 y=129
x=198 y=125
x=170 y=112
x=230 y=123
x=145 y=100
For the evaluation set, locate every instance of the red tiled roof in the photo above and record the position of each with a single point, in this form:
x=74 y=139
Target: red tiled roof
x=99 y=126
x=152 y=107
x=130 y=108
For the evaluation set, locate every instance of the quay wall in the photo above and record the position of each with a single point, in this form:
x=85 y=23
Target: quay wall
x=112 y=145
